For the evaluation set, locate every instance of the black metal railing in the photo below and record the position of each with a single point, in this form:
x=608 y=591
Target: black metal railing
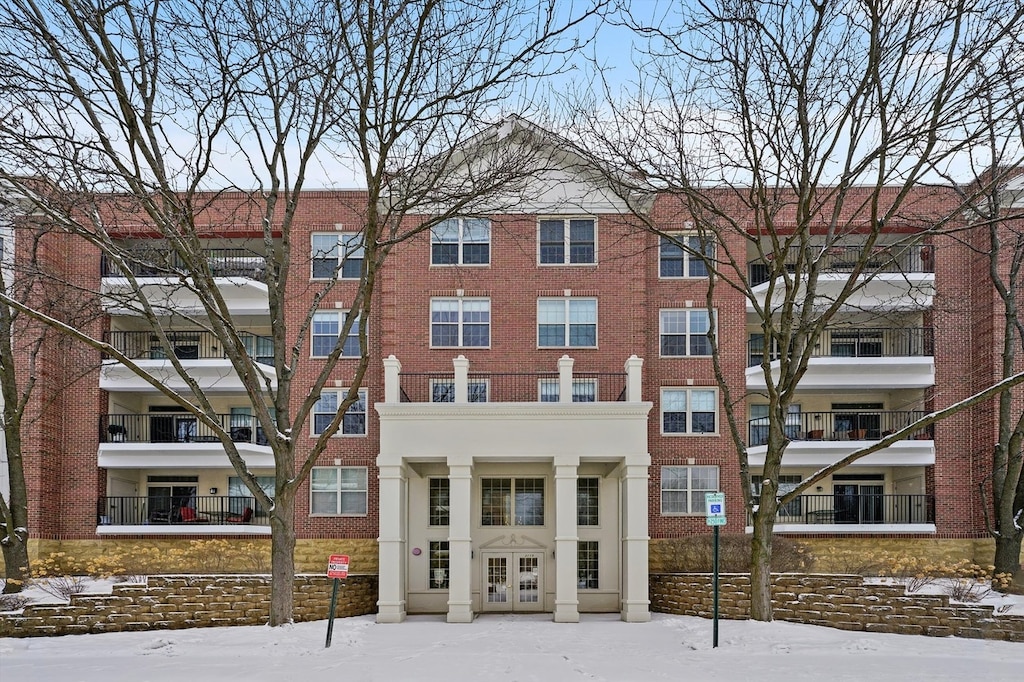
x=505 y=387
x=176 y=427
x=850 y=342
x=154 y=262
x=194 y=511
x=858 y=509
x=906 y=259
x=187 y=345
x=841 y=425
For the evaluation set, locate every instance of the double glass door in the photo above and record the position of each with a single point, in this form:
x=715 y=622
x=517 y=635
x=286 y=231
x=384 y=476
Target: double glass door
x=513 y=581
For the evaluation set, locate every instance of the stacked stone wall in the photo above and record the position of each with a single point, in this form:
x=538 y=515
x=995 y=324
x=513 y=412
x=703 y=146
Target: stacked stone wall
x=843 y=602
x=189 y=601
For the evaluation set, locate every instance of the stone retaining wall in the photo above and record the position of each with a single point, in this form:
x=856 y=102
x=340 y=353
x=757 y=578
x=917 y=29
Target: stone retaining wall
x=843 y=602
x=189 y=601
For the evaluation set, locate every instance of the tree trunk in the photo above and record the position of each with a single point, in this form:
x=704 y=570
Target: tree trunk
x=282 y=559
x=16 y=568
x=761 y=564
x=1007 y=558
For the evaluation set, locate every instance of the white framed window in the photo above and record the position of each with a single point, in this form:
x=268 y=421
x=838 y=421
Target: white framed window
x=461 y=241
x=683 y=488
x=684 y=332
x=587 y=565
x=354 y=421
x=567 y=322
x=587 y=500
x=571 y=241
x=325 y=331
x=674 y=261
x=512 y=502
x=438 y=561
x=338 y=491
x=337 y=254
x=460 y=322
x=438 y=505
x=443 y=390
x=689 y=410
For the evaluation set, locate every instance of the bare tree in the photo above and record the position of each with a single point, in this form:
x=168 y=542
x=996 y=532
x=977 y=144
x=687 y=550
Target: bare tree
x=799 y=136
x=128 y=110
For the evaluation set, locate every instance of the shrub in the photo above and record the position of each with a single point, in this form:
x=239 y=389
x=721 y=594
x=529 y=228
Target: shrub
x=13 y=602
x=694 y=554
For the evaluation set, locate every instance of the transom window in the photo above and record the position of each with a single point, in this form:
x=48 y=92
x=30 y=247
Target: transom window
x=587 y=501
x=567 y=242
x=354 y=421
x=324 y=336
x=689 y=410
x=512 y=502
x=460 y=322
x=567 y=322
x=587 y=564
x=337 y=255
x=685 y=332
x=461 y=241
x=338 y=491
x=675 y=261
x=443 y=390
x=683 y=488
x=438 y=502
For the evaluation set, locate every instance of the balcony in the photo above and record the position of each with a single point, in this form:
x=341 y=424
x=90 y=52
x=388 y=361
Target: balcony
x=240 y=274
x=846 y=512
x=820 y=438
x=856 y=358
x=199 y=352
x=597 y=415
x=902 y=277
x=178 y=440
x=163 y=515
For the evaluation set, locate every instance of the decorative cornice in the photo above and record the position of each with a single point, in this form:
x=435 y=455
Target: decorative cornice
x=399 y=411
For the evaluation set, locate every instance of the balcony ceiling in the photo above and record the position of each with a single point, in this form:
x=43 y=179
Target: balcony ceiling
x=829 y=374
x=214 y=376
x=807 y=453
x=180 y=456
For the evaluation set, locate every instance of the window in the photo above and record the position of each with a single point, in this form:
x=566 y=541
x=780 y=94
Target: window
x=565 y=242
x=684 y=332
x=567 y=322
x=240 y=497
x=675 y=261
x=352 y=424
x=689 y=410
x=326 y=327
x=512 y=502
x=460 y=322
x=338 y=491
x=587 y=564
x=586 y=501
x=438 y=560
x=443 y=390
x=437 y=501
x=759 y=425
x=683 y=488
x=337 y=255
x=461 y=241
x=583 y=390
x=787 y=483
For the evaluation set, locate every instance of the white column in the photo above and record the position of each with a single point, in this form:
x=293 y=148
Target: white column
x=391 y=544
x=566 y=540
x=460 y=540
x=461 y=364
x=392 y=381
x=565 y=379
x=635 y=596
x=634 y=379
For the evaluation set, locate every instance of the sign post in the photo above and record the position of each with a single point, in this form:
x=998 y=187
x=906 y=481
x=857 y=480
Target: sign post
x=337 y=568
x=715 y=505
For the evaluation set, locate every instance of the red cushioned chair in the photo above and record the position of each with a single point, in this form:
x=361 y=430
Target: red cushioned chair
x=244 y=518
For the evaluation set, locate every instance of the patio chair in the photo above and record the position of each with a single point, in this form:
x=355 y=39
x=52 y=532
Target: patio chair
x=188 y=515
x=245 y=517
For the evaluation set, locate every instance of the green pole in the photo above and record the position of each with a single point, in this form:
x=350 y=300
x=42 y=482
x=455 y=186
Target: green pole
x=334 y=601
x=714 y=635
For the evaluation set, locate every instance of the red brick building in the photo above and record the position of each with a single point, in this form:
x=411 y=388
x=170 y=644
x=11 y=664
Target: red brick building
x=540 y=403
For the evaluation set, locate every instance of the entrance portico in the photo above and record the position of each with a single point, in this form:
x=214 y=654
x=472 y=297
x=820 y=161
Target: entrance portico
x=513 y=506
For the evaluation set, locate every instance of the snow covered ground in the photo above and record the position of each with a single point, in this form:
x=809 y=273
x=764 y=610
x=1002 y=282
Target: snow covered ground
x=508 y=647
